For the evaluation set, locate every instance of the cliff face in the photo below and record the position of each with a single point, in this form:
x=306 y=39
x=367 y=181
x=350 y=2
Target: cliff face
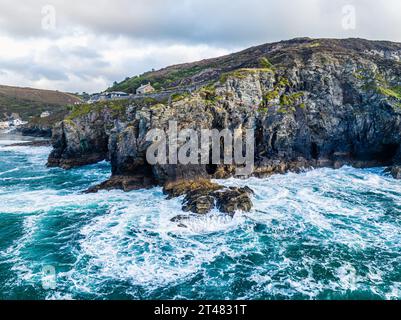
x=311 y=103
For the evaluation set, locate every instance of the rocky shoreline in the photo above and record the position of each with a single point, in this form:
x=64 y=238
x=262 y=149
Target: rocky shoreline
x=37 y=143
x=320 y=103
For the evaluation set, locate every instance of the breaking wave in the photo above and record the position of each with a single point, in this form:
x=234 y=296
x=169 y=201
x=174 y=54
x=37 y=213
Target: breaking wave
x=323 y=234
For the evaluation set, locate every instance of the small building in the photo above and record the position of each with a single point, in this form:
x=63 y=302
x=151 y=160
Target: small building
x=45 y=114
x=94 y=98
x=144 y=89
x=117 y=95
x=104 y=96
x=4 y=125
x=17 y=122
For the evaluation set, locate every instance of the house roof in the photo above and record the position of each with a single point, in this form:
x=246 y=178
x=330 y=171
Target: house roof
x=119 y=92
x=144 y=86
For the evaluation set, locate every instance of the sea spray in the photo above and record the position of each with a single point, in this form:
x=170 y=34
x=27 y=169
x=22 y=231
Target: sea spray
x=321 y=234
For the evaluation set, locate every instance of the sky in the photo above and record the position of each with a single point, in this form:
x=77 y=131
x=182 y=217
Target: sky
x=78 y=46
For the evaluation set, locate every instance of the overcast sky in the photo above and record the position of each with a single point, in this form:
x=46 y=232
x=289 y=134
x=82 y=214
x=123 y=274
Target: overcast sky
x=86 y=45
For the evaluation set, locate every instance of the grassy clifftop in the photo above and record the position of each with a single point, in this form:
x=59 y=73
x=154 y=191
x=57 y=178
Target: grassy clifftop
x=28 y=102
x=280 y=54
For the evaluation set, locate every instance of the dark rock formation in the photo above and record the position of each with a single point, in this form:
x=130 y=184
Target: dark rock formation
x=234 y=199
x=227 y=200
x=322 y=103
x=126 y=183
x=199 y=201
x=38 y=143
x=201 y=196
x=81 y=142
x=396 y=172
x=36 y=131
x=179 y=188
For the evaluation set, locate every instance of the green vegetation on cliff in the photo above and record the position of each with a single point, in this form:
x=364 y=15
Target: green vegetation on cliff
x=28 y=102
x=265 y=63
x=159 y=80
x=243 y=73
x=270 y=57
x=394 y=92
x=117 y=107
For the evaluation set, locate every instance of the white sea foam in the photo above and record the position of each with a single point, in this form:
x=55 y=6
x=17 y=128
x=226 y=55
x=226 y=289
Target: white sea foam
x=6 y=142
x=33 y=151
x=308 y=234
x=8 y=171
x=143 y=246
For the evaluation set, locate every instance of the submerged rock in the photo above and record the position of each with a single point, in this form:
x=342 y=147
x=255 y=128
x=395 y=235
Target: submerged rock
x=182 y=219
x=126 y=183
x=39 y=143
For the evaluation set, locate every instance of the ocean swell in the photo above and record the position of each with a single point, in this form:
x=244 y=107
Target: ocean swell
x=322 y=234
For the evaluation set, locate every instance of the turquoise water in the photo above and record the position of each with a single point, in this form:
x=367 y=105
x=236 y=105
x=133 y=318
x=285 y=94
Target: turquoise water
x=324 y=234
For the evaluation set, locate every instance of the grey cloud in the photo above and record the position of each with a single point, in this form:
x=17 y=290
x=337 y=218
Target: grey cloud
x=232 y=23
x=84 y=52
x=57 y=67
x=31 y=70
x=222 y=24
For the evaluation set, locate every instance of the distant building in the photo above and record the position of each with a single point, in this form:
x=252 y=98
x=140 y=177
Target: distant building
x=106 y=96
x=4 y=125
x=17 y=122
x=94 y=98
x=116 y=95
x=45 y=114
x=146 y=88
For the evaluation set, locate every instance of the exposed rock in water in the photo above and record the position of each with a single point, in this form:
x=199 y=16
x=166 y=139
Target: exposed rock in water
x=183 y=217
x=227 y=201
x=179 y=188
x=126 y=183
x=200 y=201
x=79 y=143
x=38 y=143
x=201 y=196
x=36 y=131
x=234 y=199
x=198 y=194
x=396 y=172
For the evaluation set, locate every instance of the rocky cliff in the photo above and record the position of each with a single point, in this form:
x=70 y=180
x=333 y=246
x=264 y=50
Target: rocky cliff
x=311 y=103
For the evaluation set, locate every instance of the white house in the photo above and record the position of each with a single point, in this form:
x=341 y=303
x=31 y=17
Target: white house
x=45 y=114
x=4 y=125
x=116 y=95
x=146 y=88
x=17 y=122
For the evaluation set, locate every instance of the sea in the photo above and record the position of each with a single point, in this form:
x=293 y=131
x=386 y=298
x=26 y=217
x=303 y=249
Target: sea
x=321 y=234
